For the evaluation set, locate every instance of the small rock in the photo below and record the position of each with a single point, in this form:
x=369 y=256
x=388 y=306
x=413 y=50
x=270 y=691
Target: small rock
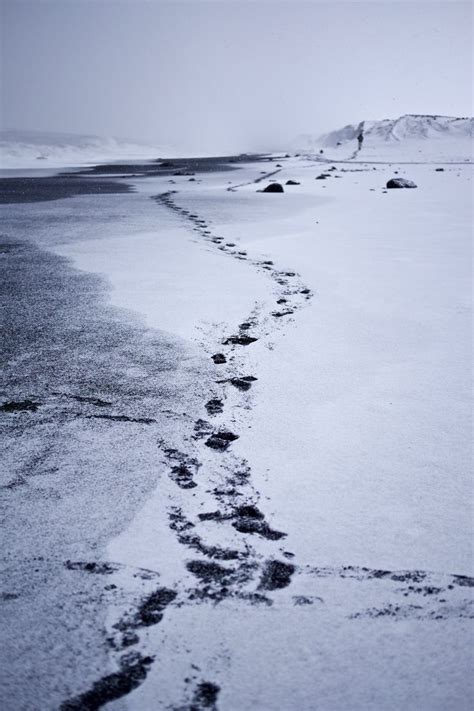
x=401 y=183
x=292 y=182
x=219 y=358
x=273 y=188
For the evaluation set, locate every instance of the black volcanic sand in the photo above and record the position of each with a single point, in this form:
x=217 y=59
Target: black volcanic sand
x=173 y=166
x=90 y=181
x=14 y=190
x=71 y=478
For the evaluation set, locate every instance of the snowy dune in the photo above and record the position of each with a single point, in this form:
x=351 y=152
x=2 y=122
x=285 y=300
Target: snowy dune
x=317 y=557
x=409 y=138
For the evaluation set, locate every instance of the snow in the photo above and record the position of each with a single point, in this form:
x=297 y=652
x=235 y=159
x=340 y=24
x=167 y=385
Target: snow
x=356 y=433
x=409 y=138
x=366 y=393
x=367 y=368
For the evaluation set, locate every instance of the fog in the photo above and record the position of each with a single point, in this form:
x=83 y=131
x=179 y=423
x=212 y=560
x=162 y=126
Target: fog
x=230 y=75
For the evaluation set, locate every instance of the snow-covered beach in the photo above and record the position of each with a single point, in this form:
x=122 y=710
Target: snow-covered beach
x=265 y=434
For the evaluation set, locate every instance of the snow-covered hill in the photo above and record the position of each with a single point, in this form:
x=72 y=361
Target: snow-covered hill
x=408 y=138
x=35 y=149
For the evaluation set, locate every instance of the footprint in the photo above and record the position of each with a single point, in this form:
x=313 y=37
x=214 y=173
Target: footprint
x=276 y=575
x=243 y=383
x=221 y=440
x=242 y=340
x=214 y=406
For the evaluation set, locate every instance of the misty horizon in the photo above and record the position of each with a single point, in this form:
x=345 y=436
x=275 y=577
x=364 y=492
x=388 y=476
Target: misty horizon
x=229 y=76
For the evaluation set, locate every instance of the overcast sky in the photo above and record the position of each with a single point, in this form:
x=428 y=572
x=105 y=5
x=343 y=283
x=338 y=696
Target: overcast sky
x=230 y=75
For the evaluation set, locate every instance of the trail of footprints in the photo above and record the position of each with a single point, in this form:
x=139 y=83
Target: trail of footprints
x=256 y=569
x=233 y=494
x=248 y=568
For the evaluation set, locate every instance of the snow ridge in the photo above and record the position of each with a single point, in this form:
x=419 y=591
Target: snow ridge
x=412 y=137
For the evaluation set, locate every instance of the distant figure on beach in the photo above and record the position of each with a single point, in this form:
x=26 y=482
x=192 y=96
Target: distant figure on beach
x=360 y=139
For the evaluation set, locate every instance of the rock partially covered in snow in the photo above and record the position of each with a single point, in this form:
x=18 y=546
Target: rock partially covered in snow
x=401 y=183
x=273 y=188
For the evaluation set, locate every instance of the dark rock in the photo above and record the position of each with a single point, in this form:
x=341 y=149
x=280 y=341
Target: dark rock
x=322 y=176
x=219 y=358
x=439 y=170
x=401 y=183
x=276 y=575
x=292 y=182
x=273 y=188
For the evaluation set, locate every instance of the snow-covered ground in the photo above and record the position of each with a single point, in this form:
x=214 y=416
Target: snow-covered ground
x=410 y=138
x=318 y=559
